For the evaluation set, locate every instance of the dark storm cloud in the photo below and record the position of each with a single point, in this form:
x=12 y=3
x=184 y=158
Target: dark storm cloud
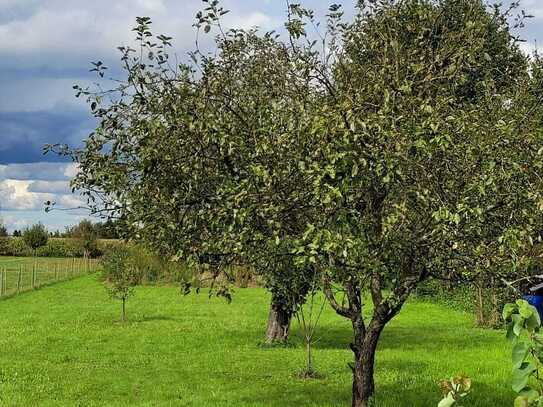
x=23 y=134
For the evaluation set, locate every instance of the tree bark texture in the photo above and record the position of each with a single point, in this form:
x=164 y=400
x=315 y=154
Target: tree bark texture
x=278 y=323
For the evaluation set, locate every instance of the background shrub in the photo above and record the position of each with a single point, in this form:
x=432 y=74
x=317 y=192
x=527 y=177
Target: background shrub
x=146 y=267
x=36 y=236
x=56 y=247
x=86 y=236
x=485 y=303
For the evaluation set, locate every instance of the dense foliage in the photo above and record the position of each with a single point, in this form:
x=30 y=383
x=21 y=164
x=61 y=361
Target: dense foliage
x=122 y=276
x=103 y=230
x=35 y=236
x=86 y=235
x=523 y=330
x=55 y=247
x=147 y=267
x=162 y=137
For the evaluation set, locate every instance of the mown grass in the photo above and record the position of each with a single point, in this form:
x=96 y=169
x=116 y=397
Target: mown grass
x=64 y=346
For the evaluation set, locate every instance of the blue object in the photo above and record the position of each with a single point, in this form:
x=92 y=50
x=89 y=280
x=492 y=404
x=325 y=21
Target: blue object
x=536 y=301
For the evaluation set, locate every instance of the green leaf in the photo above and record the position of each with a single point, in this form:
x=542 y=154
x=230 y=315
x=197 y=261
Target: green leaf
x=510 y=334
x=354 y=170
x=525 y=309
x=521 y=376
x=533 y=322
x=508 y=310
x=520 y=350
x=518 y=324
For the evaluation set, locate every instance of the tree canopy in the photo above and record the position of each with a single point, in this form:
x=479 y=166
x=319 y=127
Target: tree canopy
x=408 y=147
x=35 y=236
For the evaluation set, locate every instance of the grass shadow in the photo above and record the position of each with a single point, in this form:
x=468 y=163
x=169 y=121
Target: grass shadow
x=339 y=336
x=409 y=339
x=410 y=393
x=153 y=318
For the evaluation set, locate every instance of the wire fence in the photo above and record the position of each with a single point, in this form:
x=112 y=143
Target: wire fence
x=18 y=277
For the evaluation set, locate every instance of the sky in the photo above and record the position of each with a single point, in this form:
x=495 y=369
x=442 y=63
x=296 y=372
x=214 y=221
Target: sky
x=46 y=47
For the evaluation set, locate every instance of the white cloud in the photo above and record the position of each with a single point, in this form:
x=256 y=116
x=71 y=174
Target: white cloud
x=533 y=7
x=14 y=195
x=530 y=47
x=254 y=19
x=68 y=201
x=50 y=187
x=26 y=187
x=154 y=6
x=92 y=28
x=52 y=221
x=59 y=34
x=71 y=170
x=57 y=29
x=19 y=196
x=38 y=171
x=97 y=27
x=13 y=222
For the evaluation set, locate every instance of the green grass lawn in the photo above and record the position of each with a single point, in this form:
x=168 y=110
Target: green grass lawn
x=63 y=346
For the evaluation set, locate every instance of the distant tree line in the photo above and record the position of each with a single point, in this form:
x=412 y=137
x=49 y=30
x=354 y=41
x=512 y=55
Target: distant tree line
x=3 y=230
x=102 y=230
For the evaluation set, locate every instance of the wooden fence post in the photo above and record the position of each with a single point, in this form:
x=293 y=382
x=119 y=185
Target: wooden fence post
x=19 y=280
x=3 y=279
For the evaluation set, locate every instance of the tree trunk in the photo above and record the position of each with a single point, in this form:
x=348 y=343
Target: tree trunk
x=364 y=355
x=123 y=313
x=480 y=307
x=278 y=323
x=309 y=357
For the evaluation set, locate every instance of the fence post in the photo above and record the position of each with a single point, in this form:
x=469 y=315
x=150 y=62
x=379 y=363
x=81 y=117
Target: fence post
x=19 y=281
x=4 y=280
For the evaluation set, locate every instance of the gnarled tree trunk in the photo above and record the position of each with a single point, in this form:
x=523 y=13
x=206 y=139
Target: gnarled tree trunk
x=278 y=322
x=364 y=348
